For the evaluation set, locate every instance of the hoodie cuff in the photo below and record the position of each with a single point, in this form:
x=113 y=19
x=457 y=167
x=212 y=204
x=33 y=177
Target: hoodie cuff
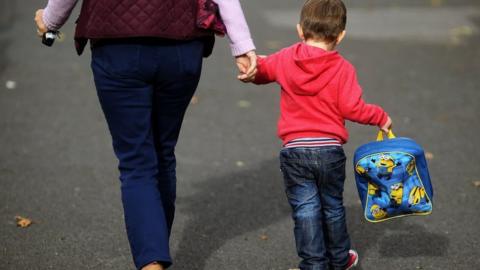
x=384 y=120
x=239 y=48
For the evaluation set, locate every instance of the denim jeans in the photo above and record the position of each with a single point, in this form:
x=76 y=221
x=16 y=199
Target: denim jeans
x=314 y=180
x=144 y=87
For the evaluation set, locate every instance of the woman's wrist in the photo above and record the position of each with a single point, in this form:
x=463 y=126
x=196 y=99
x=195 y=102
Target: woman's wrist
x=47 y=20
x=242 y=47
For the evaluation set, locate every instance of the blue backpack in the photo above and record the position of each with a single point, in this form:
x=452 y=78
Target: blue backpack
x=392 y=178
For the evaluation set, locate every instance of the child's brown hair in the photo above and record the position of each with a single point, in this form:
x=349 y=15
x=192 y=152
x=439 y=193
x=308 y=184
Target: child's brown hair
x=323 y=20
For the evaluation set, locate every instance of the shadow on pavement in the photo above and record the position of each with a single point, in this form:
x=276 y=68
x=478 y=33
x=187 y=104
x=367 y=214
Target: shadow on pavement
x=229 y=206
x=394 y=238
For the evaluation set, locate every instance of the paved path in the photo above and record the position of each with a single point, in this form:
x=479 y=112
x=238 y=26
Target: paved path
x=419 y=59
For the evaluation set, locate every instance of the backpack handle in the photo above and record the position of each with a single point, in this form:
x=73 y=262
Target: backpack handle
x=390 y=135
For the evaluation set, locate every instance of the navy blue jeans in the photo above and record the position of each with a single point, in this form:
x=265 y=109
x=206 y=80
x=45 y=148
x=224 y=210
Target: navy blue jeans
x=144 y=88
x=314 y=180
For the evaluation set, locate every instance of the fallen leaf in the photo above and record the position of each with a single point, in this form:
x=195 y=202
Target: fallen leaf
x=463 y=30
x=476 y=183
x=244 y=103
x=23 y=222
x=429 y=155
x=443 y=118
x=457 y=35
x=194 y=100
x=11 y=85
x=61 y=37
x=263 y=237
x=436 y=3
x=240 y=163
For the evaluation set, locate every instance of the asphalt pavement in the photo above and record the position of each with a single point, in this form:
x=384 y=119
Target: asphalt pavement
x=420 y=60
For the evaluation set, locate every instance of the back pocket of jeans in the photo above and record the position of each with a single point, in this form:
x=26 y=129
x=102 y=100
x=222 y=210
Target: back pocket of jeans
x=296 y=172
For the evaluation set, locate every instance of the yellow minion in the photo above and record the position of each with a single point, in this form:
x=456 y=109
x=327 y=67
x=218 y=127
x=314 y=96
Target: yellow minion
x=377 y=212
x=396 y=193
x=411 y=167
x=416 y=195
x=372 y=189
x=360 y=170
x=386 y=162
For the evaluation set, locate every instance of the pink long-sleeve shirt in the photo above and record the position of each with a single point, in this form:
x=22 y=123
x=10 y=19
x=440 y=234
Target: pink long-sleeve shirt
x=57 y=13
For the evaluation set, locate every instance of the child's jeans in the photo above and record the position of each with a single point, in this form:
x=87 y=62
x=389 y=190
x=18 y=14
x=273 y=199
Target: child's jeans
x=314 y=179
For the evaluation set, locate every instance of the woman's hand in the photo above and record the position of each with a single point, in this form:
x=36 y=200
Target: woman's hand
x=247 y=65
x=41 y=27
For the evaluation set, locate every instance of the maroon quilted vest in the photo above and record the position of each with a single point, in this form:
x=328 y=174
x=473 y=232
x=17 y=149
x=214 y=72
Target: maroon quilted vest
x=103 y=19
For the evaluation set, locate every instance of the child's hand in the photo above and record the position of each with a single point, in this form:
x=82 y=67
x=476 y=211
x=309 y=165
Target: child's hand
x=247 y=65
x=388 y=125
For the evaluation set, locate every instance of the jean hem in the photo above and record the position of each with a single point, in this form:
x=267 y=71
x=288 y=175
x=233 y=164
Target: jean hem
x=314 y=268
x=165 y=262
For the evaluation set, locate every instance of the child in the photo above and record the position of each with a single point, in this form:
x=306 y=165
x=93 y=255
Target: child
x=319 y=90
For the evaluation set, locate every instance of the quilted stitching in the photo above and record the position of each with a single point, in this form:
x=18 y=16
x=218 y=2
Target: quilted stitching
x=125 y=18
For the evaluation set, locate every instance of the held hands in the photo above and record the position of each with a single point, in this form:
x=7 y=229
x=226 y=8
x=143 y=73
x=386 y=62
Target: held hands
x=247 y=66
x=41 y=27
x=388 y=125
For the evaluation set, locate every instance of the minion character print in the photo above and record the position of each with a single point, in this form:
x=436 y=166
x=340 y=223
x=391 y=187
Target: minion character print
x=394 y=187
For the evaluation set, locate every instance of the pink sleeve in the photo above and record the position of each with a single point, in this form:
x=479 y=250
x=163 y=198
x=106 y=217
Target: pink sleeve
x=237 y=28
x=57 y=12
x=353 y=107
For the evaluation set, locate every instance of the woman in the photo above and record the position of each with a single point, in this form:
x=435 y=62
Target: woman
x=146 y=62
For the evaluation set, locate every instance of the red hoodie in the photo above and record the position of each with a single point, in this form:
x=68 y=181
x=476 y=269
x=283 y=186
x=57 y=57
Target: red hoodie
x=319 y=91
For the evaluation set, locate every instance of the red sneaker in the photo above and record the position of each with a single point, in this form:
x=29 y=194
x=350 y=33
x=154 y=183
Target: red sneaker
x=352 y=259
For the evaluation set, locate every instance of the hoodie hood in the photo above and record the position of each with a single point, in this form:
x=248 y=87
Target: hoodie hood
x=316 y=68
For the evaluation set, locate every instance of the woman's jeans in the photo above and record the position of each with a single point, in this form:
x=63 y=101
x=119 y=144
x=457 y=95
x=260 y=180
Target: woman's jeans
x=144 y=87
x=314 y=179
